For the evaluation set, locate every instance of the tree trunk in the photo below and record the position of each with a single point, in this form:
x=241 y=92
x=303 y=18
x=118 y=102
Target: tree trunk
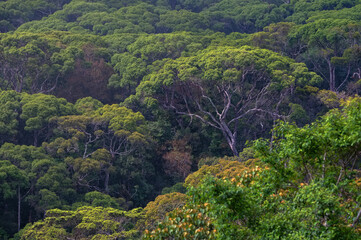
x=30 y=216
x=106 y=181
x=357 y=218
x=19 y=208
x=332 y=72
x=36 y=138
x=233 y=147
x=231 y=139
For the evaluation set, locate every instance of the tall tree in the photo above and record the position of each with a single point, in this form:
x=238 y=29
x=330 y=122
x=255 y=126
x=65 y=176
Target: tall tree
x=326 y=149
x=38 y=109
x=323 y=43
x=12 y=182
x=223 y=86
x=10 y=108
x=95 y=140
x=37 y=167
x=32 y=62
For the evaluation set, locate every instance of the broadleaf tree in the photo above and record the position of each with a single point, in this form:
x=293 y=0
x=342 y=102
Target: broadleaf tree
x=225 y=85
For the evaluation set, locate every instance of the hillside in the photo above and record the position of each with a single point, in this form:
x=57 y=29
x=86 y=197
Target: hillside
x=180 y=119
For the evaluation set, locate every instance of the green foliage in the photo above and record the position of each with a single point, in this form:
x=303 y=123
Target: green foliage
x=326 y=41
x=273 y=37
x=37 y=109
x=184 y=224
x=85 y=222
x=98 y=199
x=220 y=168
x=324 y=9
x=251 y=207
x=87 y=105
x=178 y=187
x=189 y=81
x=10 y=179
x=109 y=17
x=156 y=210
x=298 y=114
x=325 y=149
x=33 y=62
x=329 y=98
x=9 y=109
x=100 y=148
x=16 y=12
x=216 y=86
x=147 y=53
x=307 y=193
x=209 y=161
x=46 y=184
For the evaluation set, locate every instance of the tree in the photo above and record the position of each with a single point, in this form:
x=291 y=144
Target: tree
x=96 y=139
x=140 y=57
x=38 y=109
x=178 y=160
x=223 y=86
x=17 y=12
x=245 y=16
x=90 y=72
x=256 y=204
x=85 y=223
x=182 y=20
x=323 y=43
x=40 y=187
x=87 y=105
x=12 y=181
x=32 y=62
x=326 y=149
x=307 y=10
x=274 y=37
x=156 y=210
x=98 y=199
x=9 y=118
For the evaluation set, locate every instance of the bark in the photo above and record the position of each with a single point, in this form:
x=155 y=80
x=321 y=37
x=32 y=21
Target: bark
x=106 y=181
x=357 y=218
x=30 y=216
x=232 y=144
x=230 y=137
x=19 y=208
x=332 y=75
x=36 y=138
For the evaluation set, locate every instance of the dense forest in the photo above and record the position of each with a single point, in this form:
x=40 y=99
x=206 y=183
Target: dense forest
x=180 y=119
